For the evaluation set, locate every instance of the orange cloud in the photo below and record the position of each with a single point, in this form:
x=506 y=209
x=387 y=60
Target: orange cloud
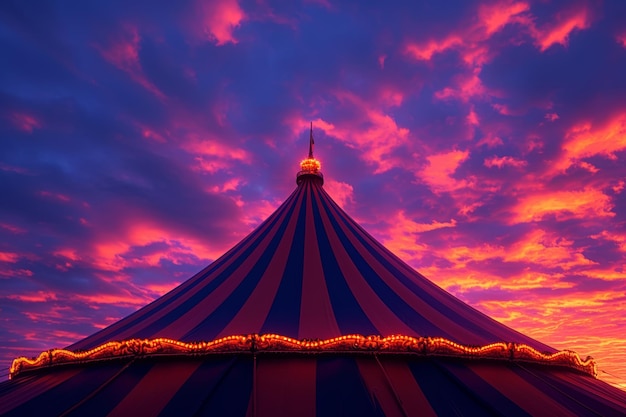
x=548 y=250
x=499 y=162
x=438 y=173
x=219 y=19
x=616 y=237
x=585 y=140
x=586 y=203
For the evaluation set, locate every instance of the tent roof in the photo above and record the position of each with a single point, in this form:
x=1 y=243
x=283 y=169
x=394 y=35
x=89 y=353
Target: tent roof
x=309 y=272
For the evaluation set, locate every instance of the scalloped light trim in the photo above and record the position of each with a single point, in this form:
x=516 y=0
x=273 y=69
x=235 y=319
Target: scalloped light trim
x=253 y=343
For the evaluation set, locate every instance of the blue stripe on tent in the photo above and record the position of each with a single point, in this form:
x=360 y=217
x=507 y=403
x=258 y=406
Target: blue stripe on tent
x=200 y=386
x=466 y=379
x=164 y=321
x=565 y=399
x=348 y=313
x=62 y=397
x=232 y=395
x=112 y=394
x=340 y=390
x=603 y=408
x=284 y=315
x=445 y=396
x=396 y=304
x=410 y=283
x=212 y=325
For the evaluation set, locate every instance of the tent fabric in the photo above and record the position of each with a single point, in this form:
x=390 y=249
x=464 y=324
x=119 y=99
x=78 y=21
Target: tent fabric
x=309 y=271
x=309 y=385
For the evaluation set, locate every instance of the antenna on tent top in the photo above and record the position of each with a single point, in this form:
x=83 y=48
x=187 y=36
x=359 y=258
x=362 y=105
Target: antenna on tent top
x=311 y=143
x=310 y=166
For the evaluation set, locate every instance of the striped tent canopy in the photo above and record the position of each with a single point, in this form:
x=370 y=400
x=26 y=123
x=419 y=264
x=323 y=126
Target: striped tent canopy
x=308 y=316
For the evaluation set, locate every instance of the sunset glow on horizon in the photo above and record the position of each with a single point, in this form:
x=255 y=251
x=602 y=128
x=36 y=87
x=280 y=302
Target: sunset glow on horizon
x=484 y=143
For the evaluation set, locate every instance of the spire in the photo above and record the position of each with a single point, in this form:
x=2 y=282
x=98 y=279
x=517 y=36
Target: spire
x=310 y=166
x=311 y=143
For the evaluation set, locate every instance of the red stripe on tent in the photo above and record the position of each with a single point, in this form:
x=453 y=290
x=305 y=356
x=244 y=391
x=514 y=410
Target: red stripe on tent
x=155 y=390
x=252 y=315
x=285 y=387
x=317 y=317
x=426 y=310
x=499 y=331
x=379 y=387
x=31 y=389
x=178 y=328
x=413 y=400
x=381 y=317
x=157 y=310
x=610 y=394
x=523 y=393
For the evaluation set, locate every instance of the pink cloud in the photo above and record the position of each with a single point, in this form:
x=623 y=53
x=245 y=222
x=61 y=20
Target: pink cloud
x=551 y=117
x=123 y=53
x=24 y=122
x=496 y=161
x=56 y=196
x=425 y=51
x=34 y=297
x=466 y=87
x=621 y=39
x=11 y=228
x=375 y=133
x=212 y=156
x=342 y=193
x=560 y=31
x=115 y=253
x=9 y=257
x=495 y=16
x=219 y=19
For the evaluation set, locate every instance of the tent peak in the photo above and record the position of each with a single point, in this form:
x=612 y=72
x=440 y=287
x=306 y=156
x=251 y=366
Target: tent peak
x=310 y=167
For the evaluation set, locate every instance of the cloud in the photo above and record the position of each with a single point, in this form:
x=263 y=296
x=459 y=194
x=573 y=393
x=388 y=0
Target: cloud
x=24 y=122
x=586 y=203
x=219 y=19
x=499 y=162
x=341 y=192
x=560 y=31
x=122 y=51
x=438 y=173
x=586 y=140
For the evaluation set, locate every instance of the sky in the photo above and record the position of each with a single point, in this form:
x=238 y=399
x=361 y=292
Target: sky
x=484 y=142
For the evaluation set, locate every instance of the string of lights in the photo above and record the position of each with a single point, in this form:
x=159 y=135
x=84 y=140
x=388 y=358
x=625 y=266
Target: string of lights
x=396 y=344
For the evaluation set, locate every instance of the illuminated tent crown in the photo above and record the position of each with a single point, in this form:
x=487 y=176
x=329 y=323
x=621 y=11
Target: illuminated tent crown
x=310 y=167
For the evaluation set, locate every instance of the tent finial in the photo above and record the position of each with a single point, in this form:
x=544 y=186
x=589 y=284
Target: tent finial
x=311 y=142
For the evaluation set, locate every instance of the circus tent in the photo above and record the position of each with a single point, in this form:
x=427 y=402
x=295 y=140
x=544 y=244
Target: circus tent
x=308 y=316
